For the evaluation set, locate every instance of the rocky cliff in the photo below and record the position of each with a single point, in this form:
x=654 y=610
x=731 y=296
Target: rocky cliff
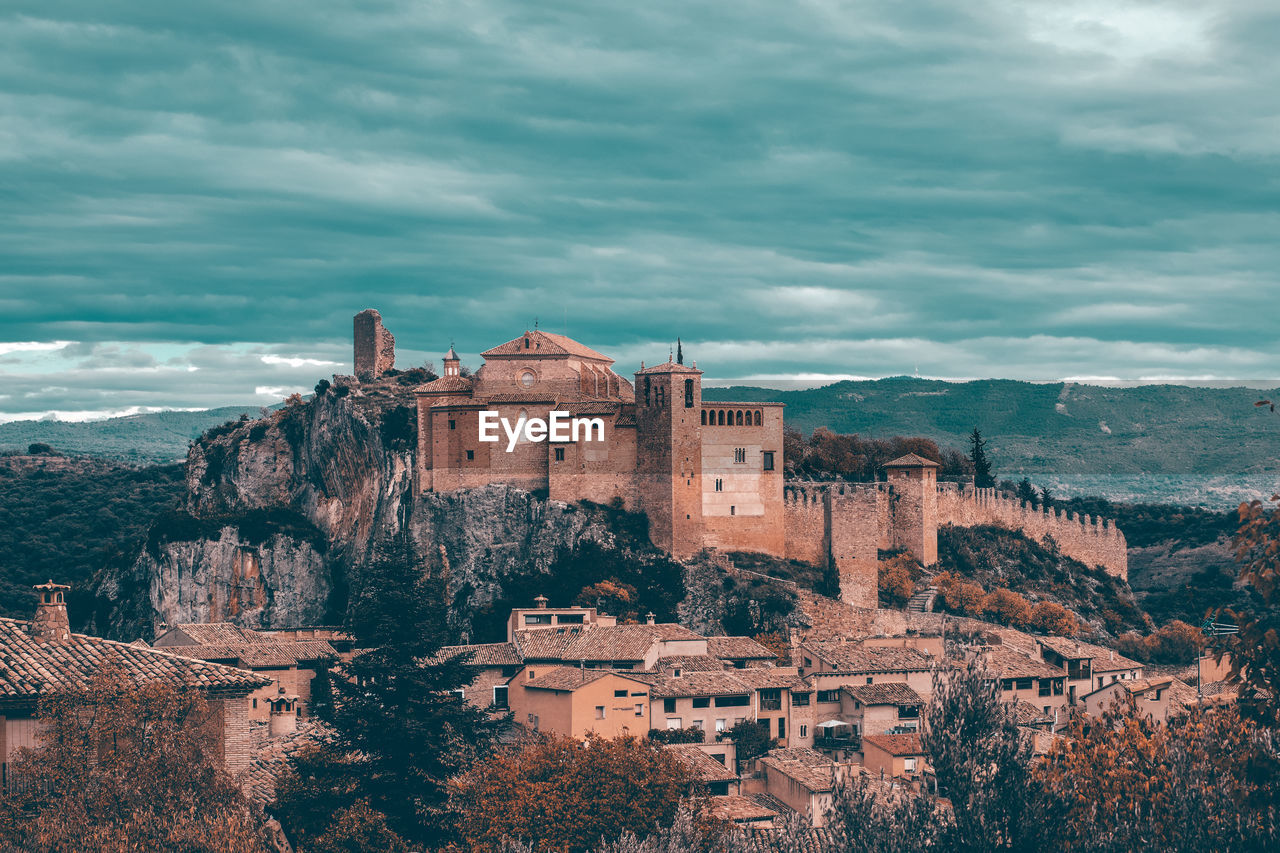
x=281 y=514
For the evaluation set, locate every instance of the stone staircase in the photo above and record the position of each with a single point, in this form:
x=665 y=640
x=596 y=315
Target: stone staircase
x=922 y=602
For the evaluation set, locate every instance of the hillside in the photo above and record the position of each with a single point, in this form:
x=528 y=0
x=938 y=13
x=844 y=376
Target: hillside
x=151 y=439
x=1053 y=429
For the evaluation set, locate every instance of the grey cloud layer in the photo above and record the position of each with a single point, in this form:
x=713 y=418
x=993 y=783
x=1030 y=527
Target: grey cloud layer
x=1032 y=189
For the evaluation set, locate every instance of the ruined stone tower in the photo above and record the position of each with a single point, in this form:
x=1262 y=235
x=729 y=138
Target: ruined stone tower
x=375 y=347
x=669 y=455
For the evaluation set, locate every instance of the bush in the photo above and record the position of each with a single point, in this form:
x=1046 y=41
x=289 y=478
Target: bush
x=693 y=734
x=1050 y=618
x=1007 y=608
x=961 y=596
x=897 y=580
x=751 y=737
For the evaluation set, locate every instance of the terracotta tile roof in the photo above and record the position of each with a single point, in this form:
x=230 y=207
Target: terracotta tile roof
x=548 y=644
x=543 y=344
x=624 y=642
x=849 y=657
x=737 y=648
x=692 y=663
x=265 y=652
x=723 y=683
x=770 y=802
x=1026 y=714
x=908 y=744
x=210 y=634
x=808 y=767
x=446 y=385
x=29 y=668
x=484 y=654
x=912 y=460
x=1104 y=659
x=736 y=808
x=273 y=758
x=670 y=367
x=1004 y=662
x=887 y=693
x=570 y=678
x=703 y=767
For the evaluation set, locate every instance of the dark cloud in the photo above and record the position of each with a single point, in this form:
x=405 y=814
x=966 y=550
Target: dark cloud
x=1034 y=190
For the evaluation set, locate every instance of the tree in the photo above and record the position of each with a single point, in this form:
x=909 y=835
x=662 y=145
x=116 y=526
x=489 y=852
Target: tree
x=1051 y=618
x=1008 y=608
x=961 y=596
x=982 y=476
x=1255 y=650
x=1046 y=498
x=401 y=732
x=981 y=761
x=897 y=580
x=776 y=642
x=751 y=737
x=125 y=767
x=1026 y=491
x=567 y=795
x=610 y=596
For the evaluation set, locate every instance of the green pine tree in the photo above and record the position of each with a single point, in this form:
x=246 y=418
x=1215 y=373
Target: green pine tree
x=982 y=476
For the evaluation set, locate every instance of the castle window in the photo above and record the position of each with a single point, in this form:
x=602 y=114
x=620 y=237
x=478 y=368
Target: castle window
x=453 y=424
x=559 y=454
x=721 y=423
x=704 y=417
x=719 y=485
x=733 y=510
x=757 y=419
x=688 y=393
x=471 y=455
x=739 y=419
x=646 y=390
x=660 y=396
x=740 y=454
x=768 y=460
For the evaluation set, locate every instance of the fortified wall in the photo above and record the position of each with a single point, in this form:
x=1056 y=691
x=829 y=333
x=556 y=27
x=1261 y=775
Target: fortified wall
x=846 y=525
x=1092 y=541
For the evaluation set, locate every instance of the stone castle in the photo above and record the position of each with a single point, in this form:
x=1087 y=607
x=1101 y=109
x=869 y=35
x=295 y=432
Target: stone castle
x=709 y=475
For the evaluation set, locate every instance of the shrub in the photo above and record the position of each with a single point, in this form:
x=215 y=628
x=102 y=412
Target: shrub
x=1008 y=608
x=897 y=580
x=1050 y=618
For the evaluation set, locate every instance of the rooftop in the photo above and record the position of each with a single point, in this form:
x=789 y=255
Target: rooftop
x=908 y=744
x=912 y=460
x=30 y=668
x=810 y=768
x=540 y=343
x=735 y=808
x=703 y=767
x=738 y=648
x=886 y=693
x=1004 y=662
x=850 y=657
x=1104 y=659
x=570 y=678
x=484 y=654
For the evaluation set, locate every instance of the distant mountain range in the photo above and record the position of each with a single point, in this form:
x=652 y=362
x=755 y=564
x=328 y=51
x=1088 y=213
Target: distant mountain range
x=1170 y=442
x=152 y=439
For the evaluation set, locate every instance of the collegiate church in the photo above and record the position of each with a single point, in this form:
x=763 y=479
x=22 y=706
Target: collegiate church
x=707 y=474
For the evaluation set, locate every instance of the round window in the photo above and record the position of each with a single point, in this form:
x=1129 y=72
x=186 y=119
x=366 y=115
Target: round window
x=528 y=378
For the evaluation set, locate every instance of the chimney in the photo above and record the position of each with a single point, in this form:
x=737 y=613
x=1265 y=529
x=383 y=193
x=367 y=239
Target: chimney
x=51 y=624
x=541 y=602
x=648 y=618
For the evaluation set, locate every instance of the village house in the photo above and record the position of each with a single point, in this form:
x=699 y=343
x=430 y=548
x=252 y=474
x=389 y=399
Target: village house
x=292 y=665
x=714 y=778
x=1161 y=698
x=899 y=756
x=717 y=701
x=878 y=708
x=543 y=617
x=576 y=702
x=1026 y=679
x=43 y=656
x=1087 y=667
x=801 y=779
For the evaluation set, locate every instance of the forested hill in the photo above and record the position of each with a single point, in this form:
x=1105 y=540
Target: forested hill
x=151 y=439
x=1061 y=428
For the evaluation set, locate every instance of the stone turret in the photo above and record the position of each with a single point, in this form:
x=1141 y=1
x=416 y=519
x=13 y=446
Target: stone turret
x=50 y=624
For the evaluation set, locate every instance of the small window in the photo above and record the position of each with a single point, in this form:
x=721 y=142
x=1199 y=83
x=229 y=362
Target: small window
x=537 y=619
x=828 y=695
x=688 y=393
x=569 y=618
x=800 y=700
x=733 y=510
x=500 y=696
x=255 y=703
x=869 y=680
x=619 y=693
x=782 y=727
x=767 y=457
x=471 y=455
x=719 y=485
x=646 y=390
x=720 y=418
x=702 y=702
x=757 y=419
x=453 y=424
x=1024 y=683
x=704 y=417
x=639 y=710
x=909 y=764
x=668 y=706
x=804 y=731
x=739 y=454
x=599 y=712
x=559 y=454
x=674 y=723
x=720 y=726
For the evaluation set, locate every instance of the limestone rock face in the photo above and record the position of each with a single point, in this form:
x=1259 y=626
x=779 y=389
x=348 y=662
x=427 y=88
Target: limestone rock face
x=282 y=514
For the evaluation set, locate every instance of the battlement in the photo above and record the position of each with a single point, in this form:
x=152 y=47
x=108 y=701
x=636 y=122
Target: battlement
x=1093 y=541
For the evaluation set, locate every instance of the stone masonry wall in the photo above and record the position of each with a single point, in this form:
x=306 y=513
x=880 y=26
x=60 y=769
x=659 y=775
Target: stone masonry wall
x=1091 y=541
x=853 y=522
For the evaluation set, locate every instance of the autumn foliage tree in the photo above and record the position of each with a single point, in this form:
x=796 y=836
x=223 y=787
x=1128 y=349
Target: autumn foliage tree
x=567 y=795
x=125 y=767
x=1008 y=608
x=1255 y=651
x=1051 y=618
x=897 y=580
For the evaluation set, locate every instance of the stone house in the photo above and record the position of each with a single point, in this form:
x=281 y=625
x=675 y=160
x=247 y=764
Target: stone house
x=713 y=777
x=1023 y=678
x=43 y=656
x=717 y=701
x=878 y=708
x=803 y=780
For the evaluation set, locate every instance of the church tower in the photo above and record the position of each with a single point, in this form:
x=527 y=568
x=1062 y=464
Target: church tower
x=669 y=454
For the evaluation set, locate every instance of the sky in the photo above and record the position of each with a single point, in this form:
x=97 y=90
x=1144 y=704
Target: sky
x=196 y=198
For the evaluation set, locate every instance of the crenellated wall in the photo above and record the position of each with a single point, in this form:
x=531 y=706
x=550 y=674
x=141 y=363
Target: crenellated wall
x=1089 y=540
x=839 y=525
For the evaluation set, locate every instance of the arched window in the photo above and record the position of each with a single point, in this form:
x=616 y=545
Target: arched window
x=757 y=419
x=704 y=417
x=721 y=417
x=739 y=419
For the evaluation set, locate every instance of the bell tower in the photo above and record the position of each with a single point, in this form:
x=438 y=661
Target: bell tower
x=669 y=454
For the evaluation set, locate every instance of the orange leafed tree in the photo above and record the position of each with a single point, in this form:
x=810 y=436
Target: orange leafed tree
x=567 y=795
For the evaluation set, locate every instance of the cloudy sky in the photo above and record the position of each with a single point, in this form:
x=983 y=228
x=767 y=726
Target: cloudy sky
x=196 y=198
